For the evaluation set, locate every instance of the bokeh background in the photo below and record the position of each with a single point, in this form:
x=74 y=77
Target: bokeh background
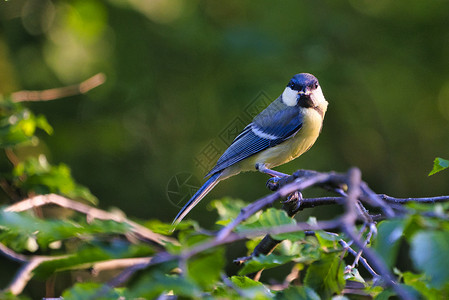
x=184 y=75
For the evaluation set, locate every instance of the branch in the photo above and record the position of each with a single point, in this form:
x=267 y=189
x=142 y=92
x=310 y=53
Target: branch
x=25 y=273
x=114 y=264
x=91 y=213
x=298 y=185
x=319 y=201
x=419 y=200
x=216 y=242
x=12 y=254
x=57 y=93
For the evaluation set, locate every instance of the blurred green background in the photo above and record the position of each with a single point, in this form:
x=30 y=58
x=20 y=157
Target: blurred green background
x=181 y=75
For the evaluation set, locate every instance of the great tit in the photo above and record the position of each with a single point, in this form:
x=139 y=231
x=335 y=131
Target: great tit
x=287 y=128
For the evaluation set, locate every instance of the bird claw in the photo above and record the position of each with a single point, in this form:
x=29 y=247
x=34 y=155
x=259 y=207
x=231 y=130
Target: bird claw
x=295 y=197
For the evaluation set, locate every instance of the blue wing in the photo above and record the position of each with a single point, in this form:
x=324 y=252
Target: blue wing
x=271 y=127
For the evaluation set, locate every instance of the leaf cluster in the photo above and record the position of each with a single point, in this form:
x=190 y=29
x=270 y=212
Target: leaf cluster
x=319 y=262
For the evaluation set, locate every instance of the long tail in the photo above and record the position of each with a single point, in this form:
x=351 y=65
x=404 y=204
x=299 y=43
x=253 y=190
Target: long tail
x=206 y=188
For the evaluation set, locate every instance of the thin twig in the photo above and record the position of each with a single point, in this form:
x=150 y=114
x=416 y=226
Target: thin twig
x=12 y=254
x=378 y=264
x=361 y=259
x=58 y=93
x=366 y=242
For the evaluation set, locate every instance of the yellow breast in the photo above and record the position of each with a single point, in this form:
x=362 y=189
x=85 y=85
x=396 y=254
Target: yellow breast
x=296 y=145
x=287 y=150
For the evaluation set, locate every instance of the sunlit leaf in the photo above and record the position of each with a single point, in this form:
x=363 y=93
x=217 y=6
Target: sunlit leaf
x=326 y=239
x=251 y=289
x=385 y=295
x=354 y=275
x=228 y=209
x=48 y=231
x=439 y=164
x=37 y=175
x=42 y=123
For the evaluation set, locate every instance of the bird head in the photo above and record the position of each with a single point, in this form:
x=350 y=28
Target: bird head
x=304 y=90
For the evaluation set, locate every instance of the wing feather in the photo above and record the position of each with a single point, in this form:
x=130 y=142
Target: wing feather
x=271 y=127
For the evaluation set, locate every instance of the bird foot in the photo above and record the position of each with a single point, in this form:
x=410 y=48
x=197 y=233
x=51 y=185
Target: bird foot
x=295 y=199
x=263 y=169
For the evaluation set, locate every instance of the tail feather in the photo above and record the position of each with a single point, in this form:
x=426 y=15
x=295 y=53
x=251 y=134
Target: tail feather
x=206 y=188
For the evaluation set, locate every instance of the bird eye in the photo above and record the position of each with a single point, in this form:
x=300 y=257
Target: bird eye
x=291 y=85
x=315 y=85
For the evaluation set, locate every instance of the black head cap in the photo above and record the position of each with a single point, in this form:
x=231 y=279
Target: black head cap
x=301 y=81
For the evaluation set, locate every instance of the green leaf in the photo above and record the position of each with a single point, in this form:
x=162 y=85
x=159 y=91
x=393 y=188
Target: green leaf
x=153 y=284
x=273 y=217
x=264 y=262
x=91 y=290
x=326 y=239
x=325 y=276
x=228 y=209
x=205 y=270
x=192 y=237
x=388 y=240
x=429 y=250
x=88 y=254
x=42 y=123
x=47 y=231
x=37 y=175
x=289 y=248
x=19 y=127
x=297 y=293
x=354 y=275
x=9 y=296
x=385 y=295
x=251 y=289
x=439 y=164
x=420 y=283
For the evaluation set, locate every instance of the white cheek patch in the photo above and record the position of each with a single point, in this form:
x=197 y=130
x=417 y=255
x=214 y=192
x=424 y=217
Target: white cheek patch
x=318 y=97
x=289 y=97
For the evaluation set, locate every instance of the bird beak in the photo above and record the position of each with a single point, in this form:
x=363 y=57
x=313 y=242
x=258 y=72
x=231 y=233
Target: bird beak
x=304 y=98
x=304 y=92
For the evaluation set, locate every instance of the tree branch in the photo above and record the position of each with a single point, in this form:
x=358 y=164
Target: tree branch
x=90 y=212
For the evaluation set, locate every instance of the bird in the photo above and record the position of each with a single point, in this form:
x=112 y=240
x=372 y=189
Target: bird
x=287 y=128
